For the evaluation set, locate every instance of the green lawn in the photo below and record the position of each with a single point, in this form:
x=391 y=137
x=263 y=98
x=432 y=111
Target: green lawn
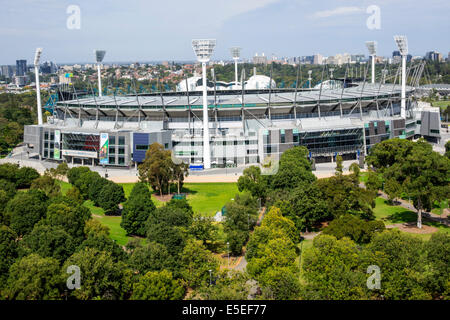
x=205 y=198
x=208 y=198
x=441 y=104
x=392 y=214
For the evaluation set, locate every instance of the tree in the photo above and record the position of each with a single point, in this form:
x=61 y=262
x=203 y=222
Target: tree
x=374 y=182
x=96 y=228
x=151 y=257
x=240 y=219
x=168 y=226
x=438 y=258
x=101 y=276
x=339 y=166
x=8 y=171
x=137 y=209
x=74 y=173
x=110 y=196
x=74 y=194
x=9 y=188
x=204 y=229
x=8 y=251
x=157 y=286
x=354 y=228
x=196 y=262
x=305 y=206
x=422 y=173
x=25 y=176
x=393 y=189
x=226 y=285
x=179 y=171
x=47 y=184
x=252 y=181
x=48 y=242
x=294 y=170
x=331 y=270
x=400 y=257
x=156 y=169
x=34 y=278
x=341 y=196
x=280 y=284
x=103 y=242
x=71 y=219
x=25 y=210
x=356 y=171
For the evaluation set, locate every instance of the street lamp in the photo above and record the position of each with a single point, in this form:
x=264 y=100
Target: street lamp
x=402 y=44
x=372 y=47
x=236 y=54
x=37 y=58
x=99 y=55
x=228 y=250
x=203 y=49
x=210 y=276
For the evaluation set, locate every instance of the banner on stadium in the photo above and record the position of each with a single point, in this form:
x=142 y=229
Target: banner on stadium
x=57 y=145
x=104 y=147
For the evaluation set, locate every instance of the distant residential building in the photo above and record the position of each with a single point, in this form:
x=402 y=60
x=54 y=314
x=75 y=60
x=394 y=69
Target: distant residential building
x=21 y=67
x=355 y=58
x=7 y=71
x=317 y=59
x=48 y=67
x=20 y=81
x=260 y=59
x=434 y=56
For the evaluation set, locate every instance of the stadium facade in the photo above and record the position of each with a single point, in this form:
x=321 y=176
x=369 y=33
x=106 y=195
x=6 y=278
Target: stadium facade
x=246 y=126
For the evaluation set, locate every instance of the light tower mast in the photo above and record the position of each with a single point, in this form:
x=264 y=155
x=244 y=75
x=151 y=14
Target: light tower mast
x=37 y=58
x=99 y=55
x=402 y=44
x=203 y=49
x=236 y=54
x=372 y=47
x=309 y=78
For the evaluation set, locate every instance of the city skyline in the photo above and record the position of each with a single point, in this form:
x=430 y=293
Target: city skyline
x=142 y=31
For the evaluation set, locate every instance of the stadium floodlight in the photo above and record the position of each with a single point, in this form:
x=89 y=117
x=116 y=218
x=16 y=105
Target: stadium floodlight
x=331 y=73
x=402 y=44
x=37 y=58
x=309 y=78
x=236 y=54
x=372 y=47
x=99 y=55
x=204 y=49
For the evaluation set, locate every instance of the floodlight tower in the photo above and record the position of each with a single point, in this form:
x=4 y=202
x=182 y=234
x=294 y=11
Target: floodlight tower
x=402 y=44
x=236 y=54
x=331 y=73
x=99 y=55
x=372 y=47
x=37 y=58
x=203 y=49
x=309 y=78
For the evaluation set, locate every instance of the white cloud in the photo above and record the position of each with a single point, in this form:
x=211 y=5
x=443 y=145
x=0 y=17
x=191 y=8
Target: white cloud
x=339 y=11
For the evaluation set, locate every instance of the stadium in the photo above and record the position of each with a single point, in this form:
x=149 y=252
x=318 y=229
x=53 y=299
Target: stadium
x=243 y=126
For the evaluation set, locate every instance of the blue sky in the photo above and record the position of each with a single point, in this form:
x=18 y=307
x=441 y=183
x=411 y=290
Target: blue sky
x=139 y=30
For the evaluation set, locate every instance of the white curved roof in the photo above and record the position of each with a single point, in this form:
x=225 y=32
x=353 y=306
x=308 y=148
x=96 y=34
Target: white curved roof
x=259 y=82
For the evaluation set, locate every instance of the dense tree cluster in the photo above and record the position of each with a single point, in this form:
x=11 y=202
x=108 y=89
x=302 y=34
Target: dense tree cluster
x=103 y=192
x=16 y=110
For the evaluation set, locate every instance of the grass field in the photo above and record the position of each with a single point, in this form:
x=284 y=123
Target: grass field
x=441 y=104
x=205 y=198
x=392 y=214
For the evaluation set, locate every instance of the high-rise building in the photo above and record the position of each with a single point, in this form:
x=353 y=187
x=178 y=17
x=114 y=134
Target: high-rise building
x=48 y=67
x=7 y=71
x=433 y=56
x=21 y=67
x=318 y=59
x=260 y=59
